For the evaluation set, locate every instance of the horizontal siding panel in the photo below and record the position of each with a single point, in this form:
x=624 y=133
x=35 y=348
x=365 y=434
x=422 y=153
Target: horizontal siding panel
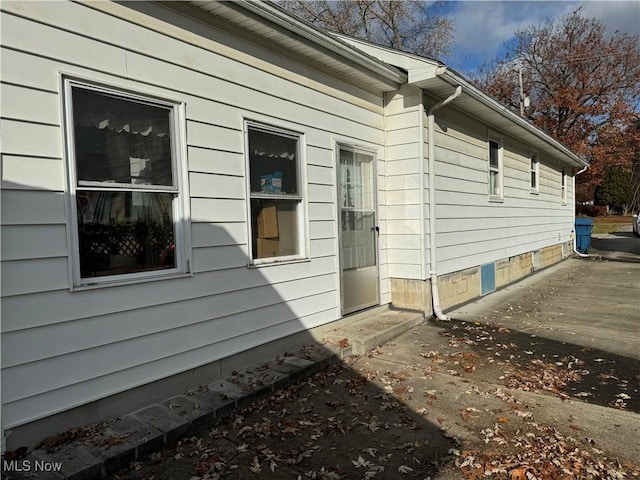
x=32 y=173
x=22 y=34
x=218 y=210
x=402 y=167
x=320 y=175
x=22 y=207
x=322 y=211
x=76 y=367
x=323 y=247
x=321 y=193
x=403 y=182
x=214 y=137
x=95 y=332
x=403 y=227
x=29 y=105
x=216 y=161
x=404 y=136
x=18 y=314
x=322 y=229
x=38 y=275
x=216 y=186
x=218 y=234
x=241 y=94
x=400 y=212
x=404 y=271
x=402 y=120
x=320 y=156
x=51 y=402
x=403 y=197
x=29 y=70
x=208 y=259
x=401 y=256
x=410 y=242
x=31 y=139
x=22 y=242
x=402 y=152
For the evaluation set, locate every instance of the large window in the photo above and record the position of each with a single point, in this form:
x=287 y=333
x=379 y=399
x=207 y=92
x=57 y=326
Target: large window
x=495 y=168
x=124 y=184
x=535 y=172
x=275 y=193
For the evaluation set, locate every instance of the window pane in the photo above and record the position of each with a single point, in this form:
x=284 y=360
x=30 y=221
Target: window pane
x=275 y=228
x=533 y=179
x=493 y=154
x=125 y=232
x=122 y=141
x=493 y=183
x=358 y=239
x=273 y=163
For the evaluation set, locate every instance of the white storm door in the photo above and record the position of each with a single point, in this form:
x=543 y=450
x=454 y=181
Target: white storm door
x=358 y=230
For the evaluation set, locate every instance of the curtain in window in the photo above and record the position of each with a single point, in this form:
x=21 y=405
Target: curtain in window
x=105 y=111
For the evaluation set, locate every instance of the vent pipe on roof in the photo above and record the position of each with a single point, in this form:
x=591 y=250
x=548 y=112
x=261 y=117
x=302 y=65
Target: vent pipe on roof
x=433 y=271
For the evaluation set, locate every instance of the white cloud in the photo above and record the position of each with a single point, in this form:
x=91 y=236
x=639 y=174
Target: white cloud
x=483 y=27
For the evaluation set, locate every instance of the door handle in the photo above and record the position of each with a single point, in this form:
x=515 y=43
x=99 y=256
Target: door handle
x=376 y=229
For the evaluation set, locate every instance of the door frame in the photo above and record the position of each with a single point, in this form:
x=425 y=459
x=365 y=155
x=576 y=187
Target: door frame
x=372 y=152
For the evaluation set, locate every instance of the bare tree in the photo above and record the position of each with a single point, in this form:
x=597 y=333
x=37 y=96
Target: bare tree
x=410 y=25
x=584 y=85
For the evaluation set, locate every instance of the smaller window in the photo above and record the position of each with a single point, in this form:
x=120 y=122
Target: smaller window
x=535 y=173
x=276 y=207
x=495 y=168
x=564 y=187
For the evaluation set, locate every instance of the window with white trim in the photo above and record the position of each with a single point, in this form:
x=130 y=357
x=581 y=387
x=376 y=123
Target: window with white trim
x=535 y=172
x=275 y=185
x=125 y=185
x=495 y=167
x=564 y=187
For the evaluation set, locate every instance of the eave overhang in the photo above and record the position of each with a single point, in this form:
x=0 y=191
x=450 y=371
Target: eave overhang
x=441 y=82
x=273 y=24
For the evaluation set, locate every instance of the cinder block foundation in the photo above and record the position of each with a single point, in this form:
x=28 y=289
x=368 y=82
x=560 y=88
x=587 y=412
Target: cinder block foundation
x=459 y=287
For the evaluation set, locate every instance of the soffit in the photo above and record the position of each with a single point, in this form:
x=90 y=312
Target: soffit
x=269 y=22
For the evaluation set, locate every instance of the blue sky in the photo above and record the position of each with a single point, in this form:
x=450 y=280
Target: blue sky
x=482 y=27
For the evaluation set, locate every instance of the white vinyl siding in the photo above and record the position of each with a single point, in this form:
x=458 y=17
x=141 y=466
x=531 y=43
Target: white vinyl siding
x=401 y=211
x=80 y=346
x=472 y=231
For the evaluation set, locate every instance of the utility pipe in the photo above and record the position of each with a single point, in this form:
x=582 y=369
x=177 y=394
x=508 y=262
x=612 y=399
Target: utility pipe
x=575 y=234
x=433 y=271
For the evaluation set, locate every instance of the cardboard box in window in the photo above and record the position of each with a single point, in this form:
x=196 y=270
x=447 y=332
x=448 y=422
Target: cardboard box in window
x=268 y=220
x=287 y=228
x=286 y=243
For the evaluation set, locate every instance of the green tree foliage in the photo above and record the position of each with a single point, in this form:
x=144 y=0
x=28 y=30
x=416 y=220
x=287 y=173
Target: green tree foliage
x=616 y=190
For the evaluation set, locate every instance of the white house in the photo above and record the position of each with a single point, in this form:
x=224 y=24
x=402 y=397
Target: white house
x=189 y=186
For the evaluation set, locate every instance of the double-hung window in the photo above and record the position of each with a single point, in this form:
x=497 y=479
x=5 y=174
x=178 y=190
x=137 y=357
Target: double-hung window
x=125 y=185
x=535 y=172
x=495 y=168
x=275 y=198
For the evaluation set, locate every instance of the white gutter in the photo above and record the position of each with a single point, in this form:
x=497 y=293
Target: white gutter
x=433 y=271
x=575 y=234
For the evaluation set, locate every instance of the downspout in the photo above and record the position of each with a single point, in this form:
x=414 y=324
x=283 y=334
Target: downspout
x=575 y=236
x=433 y=271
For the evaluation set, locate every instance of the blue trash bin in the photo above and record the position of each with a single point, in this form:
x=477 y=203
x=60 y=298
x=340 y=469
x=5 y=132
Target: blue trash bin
x=583 y=234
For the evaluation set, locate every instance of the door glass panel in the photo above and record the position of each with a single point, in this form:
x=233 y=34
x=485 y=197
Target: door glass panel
x=358 y=241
